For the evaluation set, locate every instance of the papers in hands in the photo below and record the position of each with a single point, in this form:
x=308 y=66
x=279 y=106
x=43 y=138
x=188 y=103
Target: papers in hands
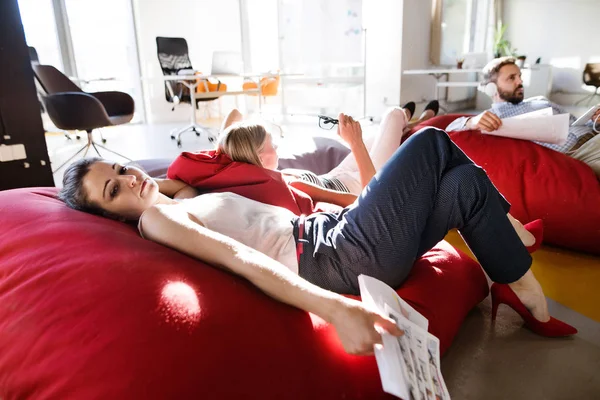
x=587 y=116
x=409 y=365
x=538 y=125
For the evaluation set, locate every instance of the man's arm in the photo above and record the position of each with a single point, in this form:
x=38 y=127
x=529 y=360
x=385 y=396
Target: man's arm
x=355 y=324
x=318 y=193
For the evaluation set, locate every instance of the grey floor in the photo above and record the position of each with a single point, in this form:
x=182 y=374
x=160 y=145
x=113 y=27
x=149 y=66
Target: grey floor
x=485 y=362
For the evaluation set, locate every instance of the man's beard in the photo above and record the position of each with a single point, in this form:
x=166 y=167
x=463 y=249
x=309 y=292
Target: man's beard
x=512 y=97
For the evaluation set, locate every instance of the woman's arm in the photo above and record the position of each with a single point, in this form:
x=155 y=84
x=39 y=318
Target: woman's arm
x=351 y=132
x=318 y=193
x=356 y=325
x=176 y=189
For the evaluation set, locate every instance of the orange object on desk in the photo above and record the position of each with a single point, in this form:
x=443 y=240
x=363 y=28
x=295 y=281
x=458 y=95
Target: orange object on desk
x=268 y=86
x=212 y=86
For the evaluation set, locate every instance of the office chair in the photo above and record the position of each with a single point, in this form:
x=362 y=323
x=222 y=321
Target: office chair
x=591 y=77
x=173 y=57
x=70 y=108
x=268 y=86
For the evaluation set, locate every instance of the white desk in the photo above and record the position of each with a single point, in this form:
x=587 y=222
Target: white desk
x=439 y=73
x=191 y=81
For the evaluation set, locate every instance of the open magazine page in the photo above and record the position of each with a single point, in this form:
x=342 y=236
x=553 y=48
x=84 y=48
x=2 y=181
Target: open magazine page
x=377 y=294
x=409 y=365
x=424 y=353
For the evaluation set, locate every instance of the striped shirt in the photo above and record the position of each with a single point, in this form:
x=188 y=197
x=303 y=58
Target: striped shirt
x=324 y=181
x=507 y=110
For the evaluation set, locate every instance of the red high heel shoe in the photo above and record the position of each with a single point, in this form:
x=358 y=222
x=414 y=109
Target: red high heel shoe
x=502 y=293
x=536 y=228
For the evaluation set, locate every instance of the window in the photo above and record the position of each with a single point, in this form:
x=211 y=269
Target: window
x=466 y=27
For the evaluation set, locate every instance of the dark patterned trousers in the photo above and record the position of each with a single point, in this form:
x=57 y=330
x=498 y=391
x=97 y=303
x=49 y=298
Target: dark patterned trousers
x=428 y=187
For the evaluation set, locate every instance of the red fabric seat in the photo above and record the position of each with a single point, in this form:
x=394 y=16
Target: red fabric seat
x=539 y=183
x=209 y=171
x=89 y=309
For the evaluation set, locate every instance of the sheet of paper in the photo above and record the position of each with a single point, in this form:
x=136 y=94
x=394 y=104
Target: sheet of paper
x=549 y=129
x=538 y=113
x=377 y=294
x=424 y=350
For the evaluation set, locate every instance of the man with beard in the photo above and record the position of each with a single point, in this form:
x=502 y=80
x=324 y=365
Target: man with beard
x=583 y=142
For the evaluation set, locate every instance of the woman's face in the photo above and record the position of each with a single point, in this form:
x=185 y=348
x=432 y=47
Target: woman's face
x=268 y=153
x=123 y=191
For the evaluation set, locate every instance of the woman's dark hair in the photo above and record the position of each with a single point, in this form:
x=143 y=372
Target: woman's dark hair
x=73 y=193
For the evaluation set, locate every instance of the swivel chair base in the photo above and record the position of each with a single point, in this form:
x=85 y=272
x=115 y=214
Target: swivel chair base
x=197 y=129
x=86 y=147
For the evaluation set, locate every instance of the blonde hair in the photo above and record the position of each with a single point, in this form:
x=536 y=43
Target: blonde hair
x=243 y=141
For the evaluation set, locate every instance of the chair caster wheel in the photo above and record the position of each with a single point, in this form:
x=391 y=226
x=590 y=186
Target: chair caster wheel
x=197 y=133
x=179 y=143
x=212 y=139
x=104 y=141
x=173 y=137
x=77 y=137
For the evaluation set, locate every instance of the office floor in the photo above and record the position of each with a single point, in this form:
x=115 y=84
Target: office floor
x=503 y=361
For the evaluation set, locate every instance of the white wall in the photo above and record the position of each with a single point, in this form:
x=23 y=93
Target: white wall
x=206 y=25
x=564 y=33
x=383 y=21
x=416 y=31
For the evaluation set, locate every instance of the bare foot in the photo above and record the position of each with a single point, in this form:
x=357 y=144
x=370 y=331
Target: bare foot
x=529 y=291
x=526 y=237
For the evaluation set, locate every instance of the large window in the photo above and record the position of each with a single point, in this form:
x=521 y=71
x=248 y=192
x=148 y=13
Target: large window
x=94 y=38
x=466 y=27
x=40 y=30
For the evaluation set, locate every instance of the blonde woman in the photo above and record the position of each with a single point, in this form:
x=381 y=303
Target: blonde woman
x=353 y=173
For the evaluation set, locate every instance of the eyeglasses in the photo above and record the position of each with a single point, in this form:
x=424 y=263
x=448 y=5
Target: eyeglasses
x=326 y=122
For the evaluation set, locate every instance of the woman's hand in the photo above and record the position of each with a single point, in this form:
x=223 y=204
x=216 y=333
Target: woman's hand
x=359 y=328
x=349 y=130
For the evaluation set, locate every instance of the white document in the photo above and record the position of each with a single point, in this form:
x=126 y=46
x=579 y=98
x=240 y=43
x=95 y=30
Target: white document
x=409 y=364
x=539 y=125
x=587 y=116
x=377 y=294
x=538 y=113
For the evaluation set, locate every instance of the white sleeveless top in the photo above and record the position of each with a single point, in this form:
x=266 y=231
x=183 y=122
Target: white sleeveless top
x=263 y=227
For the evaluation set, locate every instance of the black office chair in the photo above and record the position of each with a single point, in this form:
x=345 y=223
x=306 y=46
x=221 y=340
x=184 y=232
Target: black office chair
x=591 y=77
x=70 y=108
x=173 y=57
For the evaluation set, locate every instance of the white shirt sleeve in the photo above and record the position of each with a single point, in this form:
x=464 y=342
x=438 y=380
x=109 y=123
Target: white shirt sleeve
x=459 y=124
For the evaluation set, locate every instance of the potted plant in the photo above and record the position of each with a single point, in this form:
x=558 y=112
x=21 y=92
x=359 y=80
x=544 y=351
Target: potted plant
x=502 y=46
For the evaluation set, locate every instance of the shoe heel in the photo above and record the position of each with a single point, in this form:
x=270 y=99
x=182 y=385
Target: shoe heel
x=494 y=310
x=495 y=304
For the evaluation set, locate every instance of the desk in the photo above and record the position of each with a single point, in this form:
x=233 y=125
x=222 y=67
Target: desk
x=323 y=82
x=439 y=73
x=191 y=81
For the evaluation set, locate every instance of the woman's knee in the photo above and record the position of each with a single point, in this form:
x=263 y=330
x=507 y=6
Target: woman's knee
x=470 y=177
x=395 y=115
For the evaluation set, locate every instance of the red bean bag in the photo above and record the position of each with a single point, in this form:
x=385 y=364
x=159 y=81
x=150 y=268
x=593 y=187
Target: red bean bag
x=539 y=183
x=90 y=310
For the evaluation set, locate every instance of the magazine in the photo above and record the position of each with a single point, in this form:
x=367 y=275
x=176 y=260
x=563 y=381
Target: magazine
x=409 y=365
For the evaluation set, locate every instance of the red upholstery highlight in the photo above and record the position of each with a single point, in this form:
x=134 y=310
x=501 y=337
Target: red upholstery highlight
x=89 y=309
x=539 y=183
